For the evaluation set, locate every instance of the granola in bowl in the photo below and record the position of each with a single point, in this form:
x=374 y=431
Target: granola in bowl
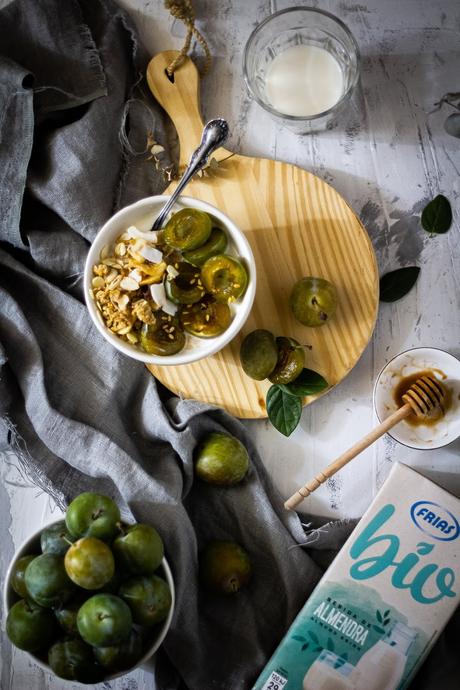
x=161 y=293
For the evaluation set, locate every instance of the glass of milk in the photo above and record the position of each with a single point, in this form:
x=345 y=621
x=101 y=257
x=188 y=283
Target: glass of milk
x=302 y=65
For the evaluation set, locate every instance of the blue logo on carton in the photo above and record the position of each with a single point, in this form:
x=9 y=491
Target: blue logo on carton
x=434 y=520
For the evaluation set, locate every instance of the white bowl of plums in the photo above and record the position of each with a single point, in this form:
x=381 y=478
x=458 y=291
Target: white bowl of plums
x=89 y=597
x=175 y=295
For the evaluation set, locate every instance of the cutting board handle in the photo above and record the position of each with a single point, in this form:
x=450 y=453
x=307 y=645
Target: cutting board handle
x=179 y=96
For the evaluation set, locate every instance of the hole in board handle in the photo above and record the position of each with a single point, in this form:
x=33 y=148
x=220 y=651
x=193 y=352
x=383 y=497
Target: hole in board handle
x=170 y=76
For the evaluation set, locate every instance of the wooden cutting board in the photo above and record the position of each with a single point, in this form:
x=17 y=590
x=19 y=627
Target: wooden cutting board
x=297 y=226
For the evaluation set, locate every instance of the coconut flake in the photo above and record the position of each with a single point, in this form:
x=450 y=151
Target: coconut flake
x=149 y=235
x=157 y=290
x=171 y=271
x=136 y=275
x=129 y=284
x=151 y=254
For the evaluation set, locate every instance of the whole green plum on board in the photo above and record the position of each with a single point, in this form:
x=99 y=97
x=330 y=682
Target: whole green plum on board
x=313 y=301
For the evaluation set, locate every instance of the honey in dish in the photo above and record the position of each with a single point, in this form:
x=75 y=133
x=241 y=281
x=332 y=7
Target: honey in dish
x=408 y=381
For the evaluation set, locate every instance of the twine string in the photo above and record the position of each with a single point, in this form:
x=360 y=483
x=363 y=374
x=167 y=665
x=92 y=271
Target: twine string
x=183 y=10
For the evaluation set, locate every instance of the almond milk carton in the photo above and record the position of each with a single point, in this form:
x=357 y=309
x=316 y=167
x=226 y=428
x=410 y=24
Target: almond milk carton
x=379 y=608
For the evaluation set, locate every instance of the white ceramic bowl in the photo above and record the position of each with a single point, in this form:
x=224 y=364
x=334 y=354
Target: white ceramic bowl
x=32 y=545
x=142 y=214
x=446 y=367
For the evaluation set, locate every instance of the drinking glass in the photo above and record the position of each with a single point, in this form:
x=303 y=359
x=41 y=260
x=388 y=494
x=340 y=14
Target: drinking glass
x=301 y=26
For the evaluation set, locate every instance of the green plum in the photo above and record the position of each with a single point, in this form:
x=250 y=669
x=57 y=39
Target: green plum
x=225 y=567
x=313 y=301
x=30 y=627
x=56 y=539
x=89 y=563
x=47 y=581
x=259 y=354
x=221 y=459
x=139 y=550
x=291 y=361
x=93 y=515
x=73 y=660
x=149 y=599
x=17 y=576
x=123 y=656
x=67 y=614
x=104 y=620
x=224 y=277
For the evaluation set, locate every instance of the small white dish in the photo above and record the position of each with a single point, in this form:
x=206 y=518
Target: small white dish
x=446 y=368
x=31 y=545
x=142 y=214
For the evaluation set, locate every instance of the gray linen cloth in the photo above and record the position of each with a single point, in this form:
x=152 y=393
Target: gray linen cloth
x=78 y=415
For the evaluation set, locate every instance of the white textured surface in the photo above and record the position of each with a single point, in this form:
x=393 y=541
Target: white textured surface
x=387 y=161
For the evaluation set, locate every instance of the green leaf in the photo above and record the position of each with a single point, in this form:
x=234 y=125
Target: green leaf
x=437 y=216
x=299 y=638
x=308 y=382
x=378 y=629
x=387 y=613
x=379 y=616
x=330 y=644
x=283 y=410
x=396 y=284
x=314 y=637
x=305 y=646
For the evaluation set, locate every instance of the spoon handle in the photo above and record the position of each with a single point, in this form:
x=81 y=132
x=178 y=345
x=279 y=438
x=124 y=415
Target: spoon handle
x=214 y=135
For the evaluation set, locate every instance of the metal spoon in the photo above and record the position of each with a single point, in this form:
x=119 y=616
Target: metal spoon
x=214 y=135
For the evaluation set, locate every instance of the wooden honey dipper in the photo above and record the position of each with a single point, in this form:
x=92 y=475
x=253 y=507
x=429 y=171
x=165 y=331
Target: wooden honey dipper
x=422 y=398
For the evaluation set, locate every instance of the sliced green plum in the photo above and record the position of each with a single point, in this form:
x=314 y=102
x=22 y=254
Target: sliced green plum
x=56 y=539
x=224 y=277
x=89 y=563
x=74 y=660
x=291 y=361
x=17 y=576
x=206 y=319
x=189 y=228
x=186 y=287
x=93 y=515
x=104 y=620
x=165 y=338
x=216 y=244
x=149 y=599
x=47 y=581
x=139 y=550
x=259 y=354
x=30 y=627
